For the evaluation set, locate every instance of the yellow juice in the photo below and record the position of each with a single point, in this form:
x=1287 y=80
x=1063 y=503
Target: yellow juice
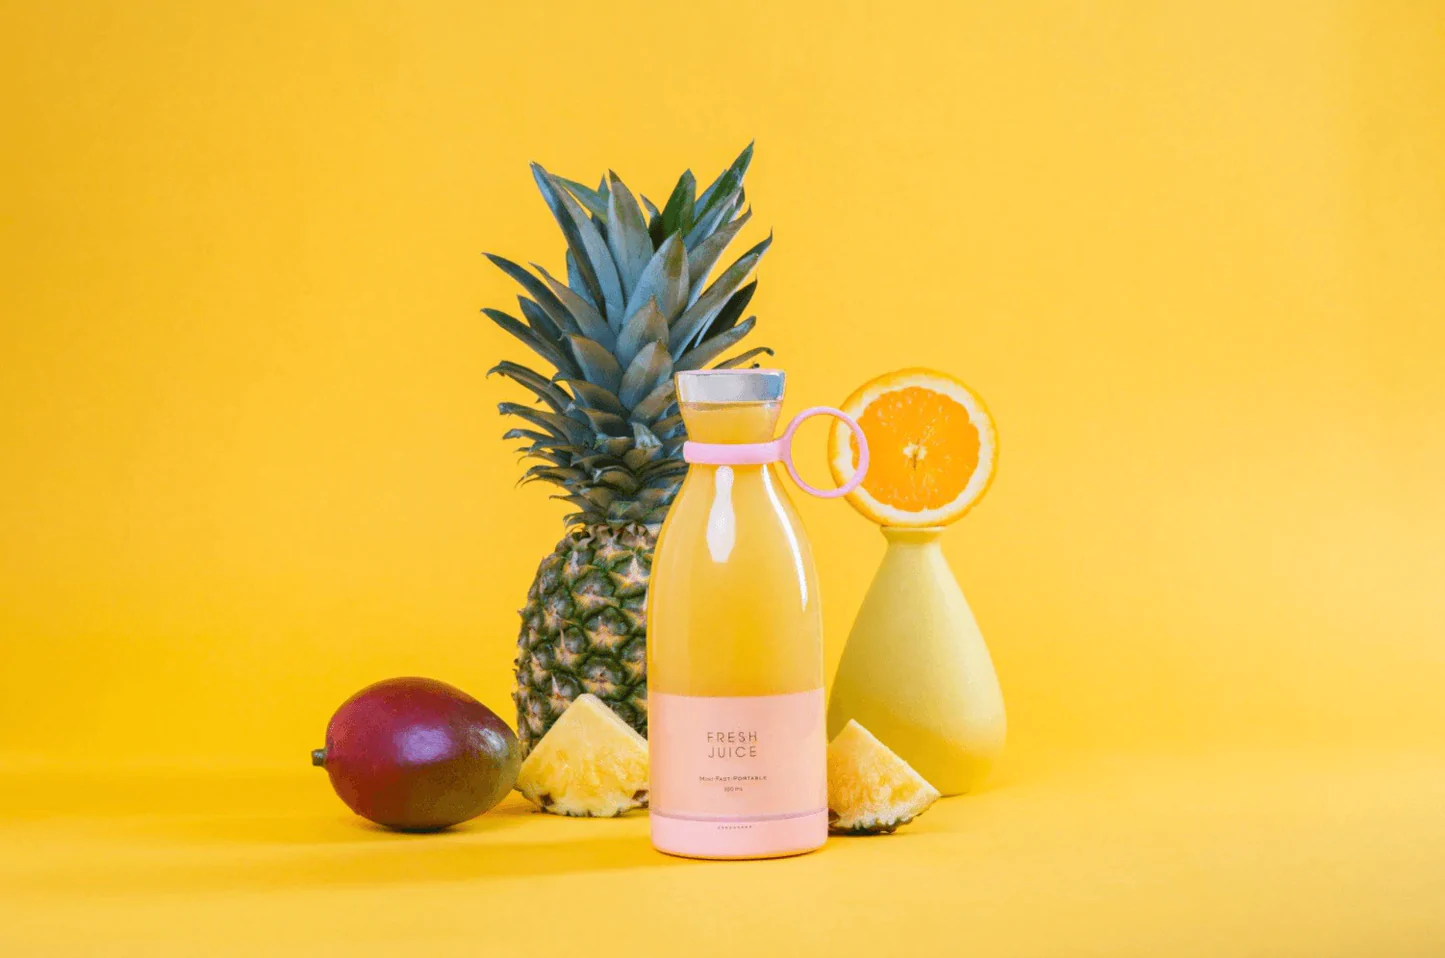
x=735 y=656
x=734 y=616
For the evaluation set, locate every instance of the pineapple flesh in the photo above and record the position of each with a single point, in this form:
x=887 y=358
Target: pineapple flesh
x=871 y=791
x=640 y=303
x=590 y=764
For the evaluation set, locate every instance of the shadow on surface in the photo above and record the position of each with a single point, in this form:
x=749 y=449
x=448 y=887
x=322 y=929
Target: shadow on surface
x=374 y=857
x=301 y=830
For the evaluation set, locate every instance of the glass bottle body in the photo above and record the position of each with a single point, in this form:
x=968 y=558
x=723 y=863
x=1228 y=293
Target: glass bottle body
x=735 y=657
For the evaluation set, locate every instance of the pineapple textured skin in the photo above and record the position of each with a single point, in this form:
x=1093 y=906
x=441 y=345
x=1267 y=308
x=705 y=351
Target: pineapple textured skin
x=584 y=629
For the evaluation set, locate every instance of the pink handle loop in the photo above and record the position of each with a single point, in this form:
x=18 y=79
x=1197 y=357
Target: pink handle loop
x=786 y=442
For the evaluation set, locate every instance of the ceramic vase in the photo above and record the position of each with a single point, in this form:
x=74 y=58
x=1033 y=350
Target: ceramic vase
x=916 y=672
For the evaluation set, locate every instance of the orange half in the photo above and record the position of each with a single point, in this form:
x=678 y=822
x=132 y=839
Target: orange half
x=931 y=445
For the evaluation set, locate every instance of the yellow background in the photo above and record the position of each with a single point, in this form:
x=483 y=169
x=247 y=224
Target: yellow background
x=1192 y=254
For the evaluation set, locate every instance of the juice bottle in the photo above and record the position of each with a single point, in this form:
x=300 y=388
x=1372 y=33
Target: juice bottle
x=735 y=645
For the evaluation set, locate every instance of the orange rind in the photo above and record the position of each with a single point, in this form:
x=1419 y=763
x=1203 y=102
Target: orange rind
x=932 y=446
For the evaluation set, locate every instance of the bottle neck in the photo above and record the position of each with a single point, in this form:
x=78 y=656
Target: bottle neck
x=731 y=422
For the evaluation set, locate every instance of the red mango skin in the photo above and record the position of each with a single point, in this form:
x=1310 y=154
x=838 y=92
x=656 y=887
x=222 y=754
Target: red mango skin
x=418 y=755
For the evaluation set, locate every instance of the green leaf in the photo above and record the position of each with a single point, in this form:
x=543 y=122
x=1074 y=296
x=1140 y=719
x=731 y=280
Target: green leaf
x=594 y=200
x=590 y=254
x=604 y=423
x=579 y=283
x=625 y=510
x=659 y=472
x=612 y=445
x=525 y=333
x=598 y=257
x=708 y=222
x=656 y=496
x=711 y=349
x=543 y=446
x=538 y=319
x=724 y=190
x=529 y=434
x=647 y=371
x=701 y=260
x=555 y=474
x=597 y=364
x=545 y=389
x=647 y=325
x=728 y=316
x=588 y=320
x=617 y=478
x=694 y=322
x=677 y=214
x=557 y=425
x=654 y=223
x=595 y=396
x=590 y=510
x=597 y=497
x=664 y=281
x=655 y=403
x=627 y=235
x=665 y=426
x=739 y=169
x=548 y=300
x=578 y=260
x=735 y=361
x=639 y=456
x=602 y=460
x=532 y=452
x=518 y=329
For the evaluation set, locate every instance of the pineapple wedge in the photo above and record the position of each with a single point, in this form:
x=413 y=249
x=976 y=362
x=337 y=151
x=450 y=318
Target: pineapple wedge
x=871 y=791
x=589 y=764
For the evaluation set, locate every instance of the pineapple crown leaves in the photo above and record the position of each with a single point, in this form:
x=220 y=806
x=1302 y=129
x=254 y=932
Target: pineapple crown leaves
x=636 y=308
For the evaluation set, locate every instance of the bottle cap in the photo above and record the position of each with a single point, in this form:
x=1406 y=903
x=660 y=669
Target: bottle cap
x=730 y=385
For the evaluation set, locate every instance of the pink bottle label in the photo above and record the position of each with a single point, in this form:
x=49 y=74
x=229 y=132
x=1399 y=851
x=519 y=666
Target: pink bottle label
x=730 y=759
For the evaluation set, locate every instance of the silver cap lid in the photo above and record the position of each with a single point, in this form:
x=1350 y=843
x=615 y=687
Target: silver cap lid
x=730 y=385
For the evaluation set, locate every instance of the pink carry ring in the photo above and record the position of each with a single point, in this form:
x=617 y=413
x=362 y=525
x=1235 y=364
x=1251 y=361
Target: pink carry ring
x=786 y=444
x=781 y=450
x=733 y=453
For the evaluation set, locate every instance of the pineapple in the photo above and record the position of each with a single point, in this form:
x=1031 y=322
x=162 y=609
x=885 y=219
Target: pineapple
x=871 y=791
x=591 y=764
x=637 y=306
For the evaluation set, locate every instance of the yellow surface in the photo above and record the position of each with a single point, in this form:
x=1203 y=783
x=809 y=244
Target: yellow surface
x=1190 y=254
x=1242 y=855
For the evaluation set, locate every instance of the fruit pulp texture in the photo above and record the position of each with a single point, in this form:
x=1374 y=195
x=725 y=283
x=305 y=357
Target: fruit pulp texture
x=734 y=604
x=927 y=448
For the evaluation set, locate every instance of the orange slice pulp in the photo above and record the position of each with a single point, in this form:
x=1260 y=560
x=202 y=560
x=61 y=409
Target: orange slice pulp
x=931 y=444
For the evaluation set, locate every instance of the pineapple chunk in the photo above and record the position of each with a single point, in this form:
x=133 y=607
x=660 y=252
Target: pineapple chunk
x=871 y=791
x=590 y=764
